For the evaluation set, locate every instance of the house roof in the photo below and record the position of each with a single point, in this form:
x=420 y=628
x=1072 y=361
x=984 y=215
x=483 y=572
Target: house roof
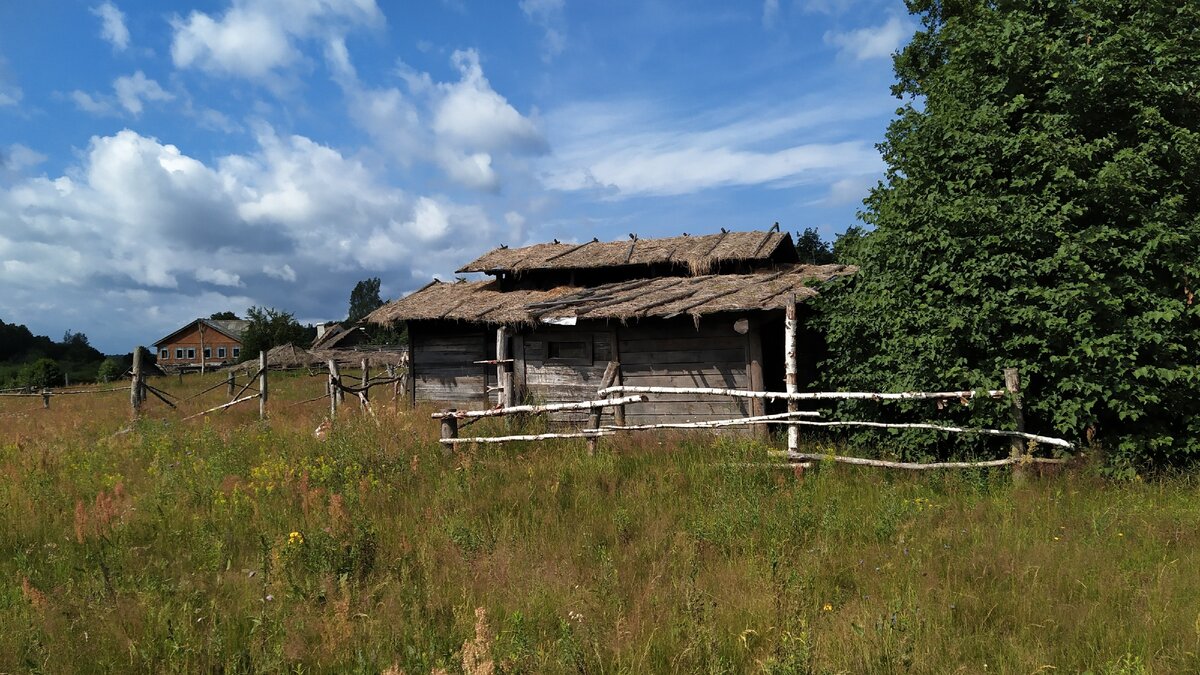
x=662 y=297
x=231 y=328
x=335 y=335
x=700 y=254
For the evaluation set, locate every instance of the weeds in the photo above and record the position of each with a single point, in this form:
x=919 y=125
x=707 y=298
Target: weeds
x=229 y=545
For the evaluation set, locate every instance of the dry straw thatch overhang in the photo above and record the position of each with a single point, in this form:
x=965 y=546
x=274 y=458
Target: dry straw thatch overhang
x=699 y=254
x=659 y=297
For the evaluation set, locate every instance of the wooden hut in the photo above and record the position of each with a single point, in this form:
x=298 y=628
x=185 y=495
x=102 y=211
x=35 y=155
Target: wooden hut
x=692 y=311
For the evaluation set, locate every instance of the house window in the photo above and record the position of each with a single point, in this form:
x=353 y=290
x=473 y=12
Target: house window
x=208 y=352
x=575 y=351
x=220 y=352
x=164 y=353
x=191 y=352
x=237 y=351
x=179 y=352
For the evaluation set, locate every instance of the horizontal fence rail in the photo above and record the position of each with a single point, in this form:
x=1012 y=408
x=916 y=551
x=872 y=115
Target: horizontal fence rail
x=804 y=396
x=1045 y=440
x=538 y=409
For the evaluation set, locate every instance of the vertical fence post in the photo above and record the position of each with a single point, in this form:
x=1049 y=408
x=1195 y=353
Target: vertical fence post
x=335 y=389
x=391 y=373
x=366 y=377
x=262 y=385
x=332 y=397
x=1012 y=382
x=449 y=429
x=791 y=370
x=135 y=382
x=46 y=398
x=231 y=380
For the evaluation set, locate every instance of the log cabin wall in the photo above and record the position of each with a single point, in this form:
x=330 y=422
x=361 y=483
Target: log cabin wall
x=442 y=359
x=557 y=364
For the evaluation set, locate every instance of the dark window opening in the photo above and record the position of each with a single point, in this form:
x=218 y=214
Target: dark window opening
x=566 y=350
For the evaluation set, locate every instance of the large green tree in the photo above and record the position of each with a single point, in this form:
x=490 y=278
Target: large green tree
x=269 y=328
x=1040 y=210
x=364 y=299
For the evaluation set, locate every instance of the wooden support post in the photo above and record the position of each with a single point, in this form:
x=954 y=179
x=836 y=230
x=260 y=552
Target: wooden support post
x=449 y=430
x=135 y=382
x=754 y=358
x=262 y=385
x=366 y=378
x=332 y=391
x=336 y=381
x=408 y=382
x=504 y=370
x=1012 y=382
x=391 y=373
x=791 y=369
x=200 y=328
x=614 y=337
x=610 y=375
x=232 y=380
x=46 y=398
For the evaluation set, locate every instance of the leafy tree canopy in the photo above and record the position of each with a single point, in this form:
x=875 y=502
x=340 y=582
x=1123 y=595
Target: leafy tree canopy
x=364 y=299
x=223 y=316
x=269 y=328
x=812 y=249
x=1041 y=210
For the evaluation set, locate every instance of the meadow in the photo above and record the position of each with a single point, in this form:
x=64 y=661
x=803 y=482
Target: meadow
x=229 y=545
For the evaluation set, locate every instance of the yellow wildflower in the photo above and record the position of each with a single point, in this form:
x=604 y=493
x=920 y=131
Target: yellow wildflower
x=828 y=607
x=295 y=538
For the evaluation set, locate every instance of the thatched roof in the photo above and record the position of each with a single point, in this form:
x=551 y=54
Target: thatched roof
x=699 y=254
x=662 y=297
x=291 y=356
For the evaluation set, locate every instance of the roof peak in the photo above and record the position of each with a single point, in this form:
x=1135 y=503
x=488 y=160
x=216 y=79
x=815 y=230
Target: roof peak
x=697 y=252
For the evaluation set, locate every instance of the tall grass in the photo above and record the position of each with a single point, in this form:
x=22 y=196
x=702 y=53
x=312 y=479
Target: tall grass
x=233 y=546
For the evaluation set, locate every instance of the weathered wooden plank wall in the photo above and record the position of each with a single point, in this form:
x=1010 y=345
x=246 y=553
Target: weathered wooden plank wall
x=677 y=354
x=443 y=363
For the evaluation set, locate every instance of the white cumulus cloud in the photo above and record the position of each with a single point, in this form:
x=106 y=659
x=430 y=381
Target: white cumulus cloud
x=112 y=25
x=255 y=38
x=292 y=224
x=131 y=90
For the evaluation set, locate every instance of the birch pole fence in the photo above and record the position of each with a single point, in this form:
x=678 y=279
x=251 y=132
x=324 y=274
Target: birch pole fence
x=791 y=370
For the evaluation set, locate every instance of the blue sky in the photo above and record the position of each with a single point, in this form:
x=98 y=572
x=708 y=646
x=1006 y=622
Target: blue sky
x=162 y=164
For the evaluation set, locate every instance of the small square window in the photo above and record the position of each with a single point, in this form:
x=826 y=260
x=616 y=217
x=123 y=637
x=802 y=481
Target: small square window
x=191 y=352
x=164 y=353
x=237 y=352
x=208 y=352
x=220 y=352
x=179 y=352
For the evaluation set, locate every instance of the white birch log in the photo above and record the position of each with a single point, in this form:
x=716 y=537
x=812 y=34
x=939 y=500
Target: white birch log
x=528 y=437
x=791 y=368
x=801 y=396
x=534 y=409
x=915 y=466
x=1045 y=440
x=712 y=424
x=251 y=397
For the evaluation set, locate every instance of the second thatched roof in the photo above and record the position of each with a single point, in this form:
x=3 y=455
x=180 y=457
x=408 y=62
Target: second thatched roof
x=660 y=297
x=698 y=254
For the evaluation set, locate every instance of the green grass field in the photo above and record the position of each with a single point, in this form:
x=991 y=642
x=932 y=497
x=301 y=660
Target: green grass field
x=227 y=545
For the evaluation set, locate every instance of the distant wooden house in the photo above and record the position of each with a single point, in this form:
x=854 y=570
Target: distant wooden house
x=207 y=342
x=692 y=311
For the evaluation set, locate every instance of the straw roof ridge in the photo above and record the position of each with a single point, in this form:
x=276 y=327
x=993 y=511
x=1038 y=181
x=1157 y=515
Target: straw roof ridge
x=700 y=254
